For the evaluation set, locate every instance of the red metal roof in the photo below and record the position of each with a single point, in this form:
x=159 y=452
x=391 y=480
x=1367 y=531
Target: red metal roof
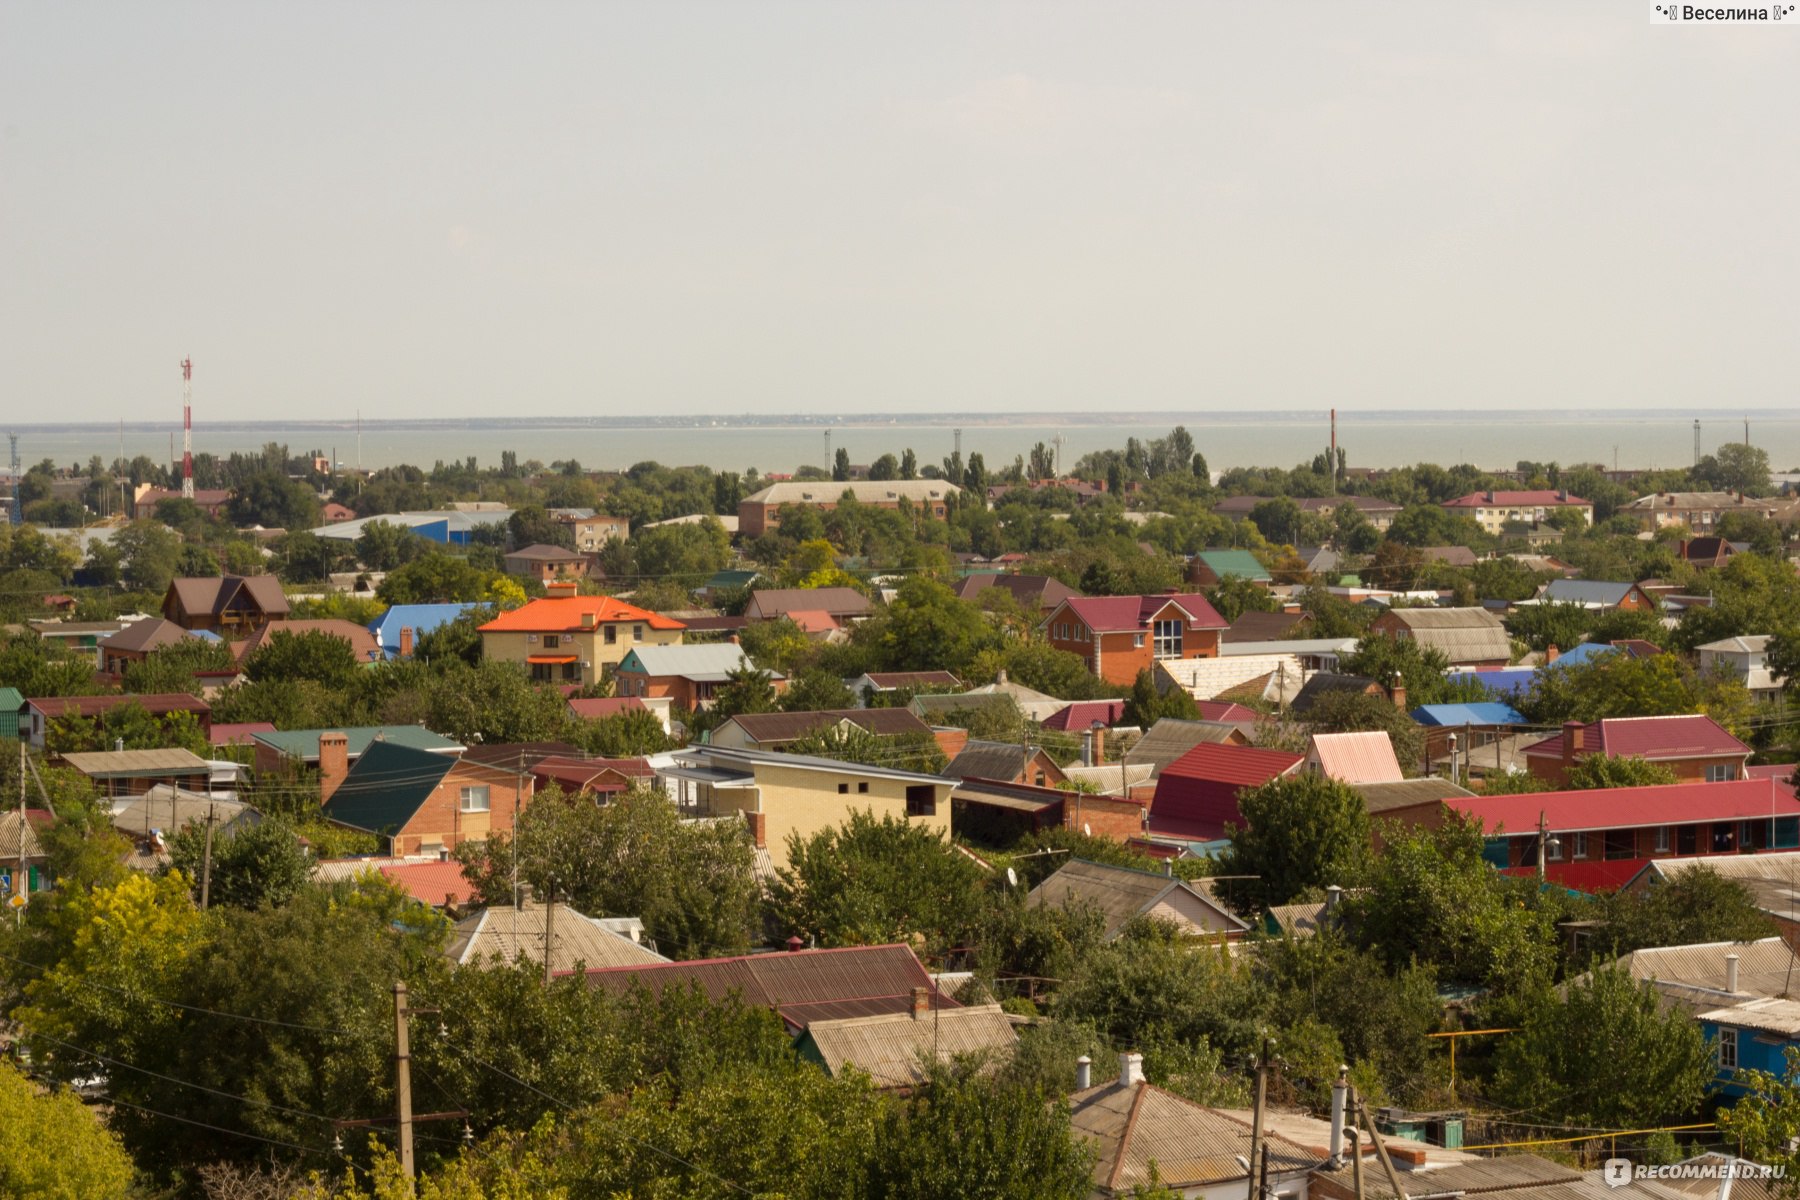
x=1083 y=713
x=1196 y=795
x=1225 y=710
x=1113 y=614
x=558 y=614
x=433 y=883
x=1592 y=876
x=1533 y=499
x=1686 y=735
x=154 y=703
x=1783 y=772
x=1630 y=807
x=238 y=733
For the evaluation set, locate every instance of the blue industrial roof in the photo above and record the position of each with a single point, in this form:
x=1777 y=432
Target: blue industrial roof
x=1481 y=713
x=1594 y=593
x=420 y=618
x=1509 y=681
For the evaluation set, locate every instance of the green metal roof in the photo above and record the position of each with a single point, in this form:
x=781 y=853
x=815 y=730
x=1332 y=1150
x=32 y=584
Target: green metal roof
x=11 y=700
x=1225 y=563
x=386 y=787
x=304 y=743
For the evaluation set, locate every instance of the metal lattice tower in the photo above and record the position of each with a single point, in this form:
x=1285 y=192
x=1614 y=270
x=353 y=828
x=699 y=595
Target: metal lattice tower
x=187 y=428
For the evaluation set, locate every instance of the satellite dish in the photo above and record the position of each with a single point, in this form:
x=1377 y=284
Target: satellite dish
x=1087 y=830
x=1012 y=878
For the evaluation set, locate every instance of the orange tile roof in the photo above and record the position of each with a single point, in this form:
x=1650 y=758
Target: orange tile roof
x=559 y=614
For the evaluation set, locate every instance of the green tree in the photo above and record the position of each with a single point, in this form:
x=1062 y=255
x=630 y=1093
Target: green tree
x=1735 y=467
x=1619 y=685
x=382 y=545
x=1605 y=1053
x=1541 y=626
x=263 y=864
x=272 y=500
x=816 y=690
x=52 y=1147
x=1234 y=596
x=850 y=743
x=1610 y=771
x=1145 y=706
x=870 y=881
x=692 y=884
x=150 y=553
x=173 y=668
x=321 y=657
x=1696 y=906
x=1765 y=1121
x=747 y=689
x=1299 y=832
x=929 y=628
x=840 y=465
x=623 y=735
x=434 y=578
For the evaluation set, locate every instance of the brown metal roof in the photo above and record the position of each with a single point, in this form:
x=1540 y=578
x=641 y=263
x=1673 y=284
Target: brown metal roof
x=767 y=728
x=804 y=985
x=144 y=636
x=203 y=595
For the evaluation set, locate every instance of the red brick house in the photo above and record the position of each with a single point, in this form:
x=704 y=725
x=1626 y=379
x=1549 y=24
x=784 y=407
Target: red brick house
x=1612 y=824
x=1697 y=748
x=421 y=802
x=1119 y=636
x=1001 y=811
x=1196 y=795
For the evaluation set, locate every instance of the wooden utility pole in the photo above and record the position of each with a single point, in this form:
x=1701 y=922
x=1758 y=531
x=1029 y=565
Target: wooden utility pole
x=1262 y=1189
x=1256 y=1111
x=206 y=861
x=403 y=1078
x=1355 y=1154
x=549 y=930
x=21 y=879
x=1387 y=1164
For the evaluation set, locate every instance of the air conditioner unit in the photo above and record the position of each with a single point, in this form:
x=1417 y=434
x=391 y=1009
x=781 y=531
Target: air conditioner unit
x=586 y=665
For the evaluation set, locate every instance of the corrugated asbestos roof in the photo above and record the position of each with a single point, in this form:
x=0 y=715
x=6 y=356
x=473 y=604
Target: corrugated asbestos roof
x=987 y=760
x=1504 y=1174
x=515 y=934
x=1143 y=1134
x=1463 y=634
x=1169 y=739
x=1380 y=797
x=1120 y=893
x=803 y=985
x=894 y=1047
x=787 y=726
x=103 y=763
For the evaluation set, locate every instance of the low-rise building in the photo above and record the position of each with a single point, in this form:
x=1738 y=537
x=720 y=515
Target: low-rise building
x=1004 y=762
x=780 y=796
x=1032 y=593
x=871 y=684
x=843 y=605
x=137 y=642
x=566 y=638
x=1694 y=746
x=1362 y=757
x=1495 y=510
x=419 y=801
x=1701 y=511
x=1196 y=795
x=546 y=563
x=593 y=531
x=687 y=676
x=894 y=1049
x=363 y=646
x=230 y=605
x=278 y=750
x=1598 y=595
x=1124 y=894
x=1209 y=568
x=1118 y=636
x=1001 y=813
x=1747 y=658
x=1468 y=637
x=509 y=934
x=760 y=512
x=135 y=772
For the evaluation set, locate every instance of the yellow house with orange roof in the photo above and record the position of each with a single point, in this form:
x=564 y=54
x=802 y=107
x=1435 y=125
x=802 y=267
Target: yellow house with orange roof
x=566 y=638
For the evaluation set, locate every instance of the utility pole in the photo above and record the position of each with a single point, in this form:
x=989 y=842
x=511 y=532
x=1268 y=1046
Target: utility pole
x=187 y=428
x=549 y=930
x=403 y=1079
x=1256 y=1112
x=19 y=880
x=206 y=860
x=1355 y=1148
x=1387 y=1164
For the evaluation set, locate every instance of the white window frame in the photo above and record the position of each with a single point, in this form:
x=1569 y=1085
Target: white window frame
x=1553 y=848
x=637 y=633
x=1663 y=839
x=1728 y=1048
x=1167 y=638
x=1581 y=845
x=1721 y=772
x=474 y=798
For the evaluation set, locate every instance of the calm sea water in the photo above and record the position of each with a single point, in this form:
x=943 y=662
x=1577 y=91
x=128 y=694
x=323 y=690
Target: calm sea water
x=1228 y=440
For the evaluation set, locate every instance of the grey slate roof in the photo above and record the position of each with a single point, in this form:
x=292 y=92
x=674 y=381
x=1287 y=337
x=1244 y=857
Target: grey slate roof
x=1142 y=1134
x=1381 y=797
x=514 y=934
x=1120 y=893
x=1585 y=591
x=893 y=1047
x=702 y=659
x=986 y=760
x=1170 y=738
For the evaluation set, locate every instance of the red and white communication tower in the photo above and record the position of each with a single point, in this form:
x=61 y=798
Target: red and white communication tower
x=187 y=428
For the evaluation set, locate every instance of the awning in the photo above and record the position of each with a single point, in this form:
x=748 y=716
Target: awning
x=551 y=658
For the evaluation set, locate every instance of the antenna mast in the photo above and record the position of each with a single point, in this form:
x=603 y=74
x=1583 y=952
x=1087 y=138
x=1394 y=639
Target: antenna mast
x=16 y=513
x=187 y=428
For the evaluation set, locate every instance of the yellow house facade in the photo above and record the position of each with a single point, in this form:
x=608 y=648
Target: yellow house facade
x=780 y=796
x=567 y=638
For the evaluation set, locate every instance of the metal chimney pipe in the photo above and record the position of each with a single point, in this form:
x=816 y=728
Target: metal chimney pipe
x=1340 y=1092
x=1731 y=972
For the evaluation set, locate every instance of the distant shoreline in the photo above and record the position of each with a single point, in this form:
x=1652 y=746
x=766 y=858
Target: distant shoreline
x=1154 y=420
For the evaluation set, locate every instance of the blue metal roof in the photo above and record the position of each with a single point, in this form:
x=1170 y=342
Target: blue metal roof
x=1586 y=652
x=1509 y=681
x=420 y=618
x=1481 y=713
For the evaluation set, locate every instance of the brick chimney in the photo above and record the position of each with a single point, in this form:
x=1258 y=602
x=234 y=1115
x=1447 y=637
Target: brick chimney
x=1550 y=653
x=406 y=641
x=1100 y=746
x=334 y=763
x=562 y=588
x=1397 y=690
x=921 y=1002
x=759 y=829
x=1574 y=733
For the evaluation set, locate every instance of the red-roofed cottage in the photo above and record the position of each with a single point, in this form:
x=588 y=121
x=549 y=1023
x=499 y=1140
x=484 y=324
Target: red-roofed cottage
x=1696 y=747
x=1118 y=636
x=1196 y=795
x=568 y=638
x=1494 y=510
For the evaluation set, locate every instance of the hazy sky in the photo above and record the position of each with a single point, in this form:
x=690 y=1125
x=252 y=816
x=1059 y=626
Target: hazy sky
x=857 y=206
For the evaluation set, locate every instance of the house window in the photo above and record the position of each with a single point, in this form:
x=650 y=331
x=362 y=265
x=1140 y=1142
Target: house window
x=572 y=670
x=1728 y=1049
x=1662 y=839
x=1581 y=845
x=843 y=789
x=1137 y=641
x=552 y=641
x=1168 y=639
x=1040 y=779
x=863 y=788
x=612 y=635
x=637 y=633
x=473 y=799
x=1553 y=849
x=921 y=800
x=542 y=672
x=1721 y=772
x=1687 y=839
